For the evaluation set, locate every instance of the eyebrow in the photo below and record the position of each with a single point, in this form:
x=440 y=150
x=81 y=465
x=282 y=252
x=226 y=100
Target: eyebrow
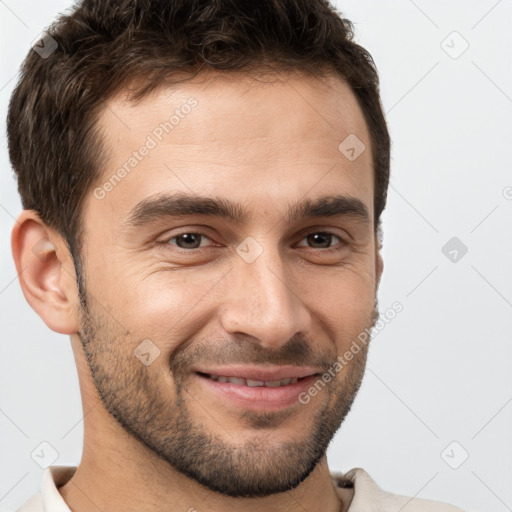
x=161 y=206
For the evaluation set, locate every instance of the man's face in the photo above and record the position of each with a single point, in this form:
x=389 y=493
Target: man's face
x=174 y=297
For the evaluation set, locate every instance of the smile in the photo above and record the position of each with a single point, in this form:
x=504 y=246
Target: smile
x=251 y=383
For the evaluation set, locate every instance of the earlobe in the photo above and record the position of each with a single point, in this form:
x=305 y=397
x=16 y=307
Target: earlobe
x=45 y=272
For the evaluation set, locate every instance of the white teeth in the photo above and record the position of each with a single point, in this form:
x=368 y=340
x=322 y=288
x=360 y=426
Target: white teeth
x=236 y=380
x=254 y=383
x=273 y=383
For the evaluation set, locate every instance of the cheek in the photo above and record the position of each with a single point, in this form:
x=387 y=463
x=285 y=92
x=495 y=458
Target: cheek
x=167 y=307
x=350 y=287
x=171 y=305
x=342 y=299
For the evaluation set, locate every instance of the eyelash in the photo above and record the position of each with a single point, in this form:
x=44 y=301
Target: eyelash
x=167 y=241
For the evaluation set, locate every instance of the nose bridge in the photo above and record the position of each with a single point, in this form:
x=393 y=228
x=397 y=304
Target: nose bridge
x=261 y=301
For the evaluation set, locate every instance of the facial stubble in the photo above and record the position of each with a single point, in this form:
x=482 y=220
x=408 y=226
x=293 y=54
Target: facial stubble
x=164 y=422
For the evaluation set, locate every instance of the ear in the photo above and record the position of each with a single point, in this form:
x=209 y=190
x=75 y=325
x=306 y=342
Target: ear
x=379 y=266
x=379 y=262
x=46 y=272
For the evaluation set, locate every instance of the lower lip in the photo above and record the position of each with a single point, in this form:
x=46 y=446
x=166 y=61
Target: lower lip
x=259 y=397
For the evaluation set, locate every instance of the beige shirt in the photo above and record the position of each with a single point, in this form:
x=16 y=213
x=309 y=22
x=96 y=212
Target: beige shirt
x=355 y=488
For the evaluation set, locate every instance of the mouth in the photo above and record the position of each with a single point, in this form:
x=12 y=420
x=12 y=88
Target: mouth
x=257 y=389
x=240 y=381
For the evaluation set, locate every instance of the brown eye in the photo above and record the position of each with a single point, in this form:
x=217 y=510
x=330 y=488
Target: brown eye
x=321 y=240
x=188 y=240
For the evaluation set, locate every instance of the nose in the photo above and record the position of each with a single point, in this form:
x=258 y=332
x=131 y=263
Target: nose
x=263 y=302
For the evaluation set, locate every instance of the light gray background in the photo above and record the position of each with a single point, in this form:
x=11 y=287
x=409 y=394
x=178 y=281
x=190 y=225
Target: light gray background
x=440 y=371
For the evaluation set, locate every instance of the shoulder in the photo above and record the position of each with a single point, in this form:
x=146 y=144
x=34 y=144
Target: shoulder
x=33 y=504
x=49 y=498
x=369 y=497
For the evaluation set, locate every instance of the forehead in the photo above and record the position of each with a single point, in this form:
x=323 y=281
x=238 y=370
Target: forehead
x=258 y=140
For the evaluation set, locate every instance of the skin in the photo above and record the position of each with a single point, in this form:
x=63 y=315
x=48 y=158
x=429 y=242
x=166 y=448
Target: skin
x=265 y=145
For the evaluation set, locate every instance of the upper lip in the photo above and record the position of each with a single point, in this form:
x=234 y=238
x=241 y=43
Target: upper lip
x=261 y=373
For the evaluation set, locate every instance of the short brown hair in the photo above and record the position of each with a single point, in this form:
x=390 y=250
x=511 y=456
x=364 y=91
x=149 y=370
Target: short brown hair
x=102 y=45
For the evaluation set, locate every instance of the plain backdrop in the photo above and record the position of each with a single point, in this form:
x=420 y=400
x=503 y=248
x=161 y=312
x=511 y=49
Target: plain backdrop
x=434 y=414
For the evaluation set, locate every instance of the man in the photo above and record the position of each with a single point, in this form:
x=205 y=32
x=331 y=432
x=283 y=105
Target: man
x=202 y=185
